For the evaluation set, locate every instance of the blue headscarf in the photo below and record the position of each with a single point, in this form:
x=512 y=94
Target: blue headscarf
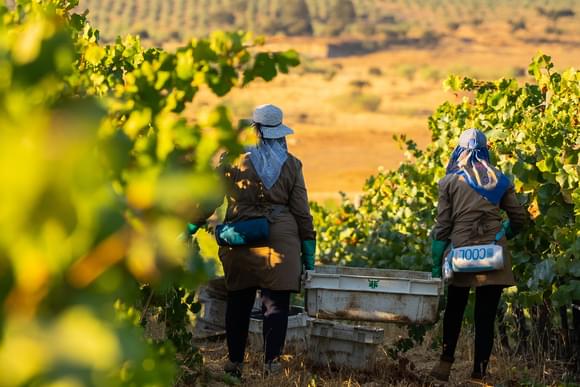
x=470 y=159
x=268 y=158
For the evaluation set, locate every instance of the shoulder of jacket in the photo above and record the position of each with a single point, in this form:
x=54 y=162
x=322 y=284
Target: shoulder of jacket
x=294 y=160
x=447 y=179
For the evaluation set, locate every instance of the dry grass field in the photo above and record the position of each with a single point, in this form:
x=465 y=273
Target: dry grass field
x=345 y=111
x=411 y=369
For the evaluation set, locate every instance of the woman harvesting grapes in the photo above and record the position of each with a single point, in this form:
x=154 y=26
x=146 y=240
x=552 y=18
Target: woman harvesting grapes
x=468 y=214
x=267 y=238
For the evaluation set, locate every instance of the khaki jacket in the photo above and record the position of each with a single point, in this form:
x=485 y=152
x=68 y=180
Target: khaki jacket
x=275 y=265
x=466 y=218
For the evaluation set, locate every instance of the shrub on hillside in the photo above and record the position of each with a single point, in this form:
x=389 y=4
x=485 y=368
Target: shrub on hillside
x=430 y=38
x=554 y=15
x=296 y=18
x=359 y=84
x=516 y=25
x=223 y=18
x=476 y=22
x=342 y=14
x=429 y=73
x=238 y=6
x=375 y=71
x=312 y=67
x=453 y=26
x=406 y=71
x=358 y=102
x=366 y=28
x=175 y=36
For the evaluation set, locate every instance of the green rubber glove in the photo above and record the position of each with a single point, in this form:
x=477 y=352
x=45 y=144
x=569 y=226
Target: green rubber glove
x=437 y=250
x=509 y=233
x=192 y=228
x=189 y=232
x=308 y=253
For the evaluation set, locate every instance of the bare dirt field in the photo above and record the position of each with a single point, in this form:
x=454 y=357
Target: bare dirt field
x=345 y=111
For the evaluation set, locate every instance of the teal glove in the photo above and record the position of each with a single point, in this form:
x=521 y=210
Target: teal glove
x=192 y=228
x=437 y=250
x=308 y=253
x=189 y=232
x=509 y=233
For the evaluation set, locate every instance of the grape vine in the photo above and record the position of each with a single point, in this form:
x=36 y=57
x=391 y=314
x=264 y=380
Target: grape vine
x=534 y=132
x=100 y=171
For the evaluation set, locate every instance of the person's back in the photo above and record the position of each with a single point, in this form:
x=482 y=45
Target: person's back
x=285 y=204
x=476 y=220
x=466 y=218
x=471 y=196
x=248 y=198
x=266 y=184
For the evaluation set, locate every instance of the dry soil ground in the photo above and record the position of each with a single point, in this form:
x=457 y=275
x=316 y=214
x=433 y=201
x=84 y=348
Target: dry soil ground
x=411 y=369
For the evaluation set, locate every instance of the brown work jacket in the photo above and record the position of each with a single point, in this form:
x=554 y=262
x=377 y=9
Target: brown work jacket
x=274 y=265
x=466 y=218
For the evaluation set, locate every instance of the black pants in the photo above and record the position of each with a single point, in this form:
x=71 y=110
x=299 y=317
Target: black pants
x=275 y=306
x=486 y=301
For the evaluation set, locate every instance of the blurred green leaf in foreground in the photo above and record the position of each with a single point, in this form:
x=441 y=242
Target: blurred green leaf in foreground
x=100 y=172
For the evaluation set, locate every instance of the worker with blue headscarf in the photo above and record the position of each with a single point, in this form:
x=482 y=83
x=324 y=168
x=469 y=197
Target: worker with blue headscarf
x=267 y=239
x=471 y=196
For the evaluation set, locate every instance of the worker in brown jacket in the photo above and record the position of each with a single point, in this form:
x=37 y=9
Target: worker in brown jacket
x=468 y=214
x=266 y=182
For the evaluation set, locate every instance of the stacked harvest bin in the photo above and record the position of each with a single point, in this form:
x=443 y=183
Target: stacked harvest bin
x=211 y=320
x=363 y=295
x=334 y=294
x=296 y=335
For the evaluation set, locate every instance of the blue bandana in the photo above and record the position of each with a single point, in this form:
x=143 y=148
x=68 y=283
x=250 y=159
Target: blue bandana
x=268 y=158
x=470 y=159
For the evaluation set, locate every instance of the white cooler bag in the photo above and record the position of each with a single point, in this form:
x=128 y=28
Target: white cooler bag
x=473 y=259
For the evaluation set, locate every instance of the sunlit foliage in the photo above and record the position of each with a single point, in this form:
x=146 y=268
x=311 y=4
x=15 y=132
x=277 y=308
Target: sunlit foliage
x=99 y=174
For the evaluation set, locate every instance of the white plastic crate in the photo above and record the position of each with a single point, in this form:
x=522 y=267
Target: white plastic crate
x=211 y=319
x=363 y=294
x=213 y=310
x=215 y=288
x=205 y=330
x=296 y=335
x=212 y=316
x=343 y=345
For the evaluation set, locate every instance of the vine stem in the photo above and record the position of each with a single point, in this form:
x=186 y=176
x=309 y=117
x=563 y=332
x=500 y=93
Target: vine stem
x=146 y=308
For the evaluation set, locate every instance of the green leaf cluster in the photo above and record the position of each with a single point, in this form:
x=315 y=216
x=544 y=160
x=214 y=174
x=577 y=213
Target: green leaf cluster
x=534 y=134
x=100 y=172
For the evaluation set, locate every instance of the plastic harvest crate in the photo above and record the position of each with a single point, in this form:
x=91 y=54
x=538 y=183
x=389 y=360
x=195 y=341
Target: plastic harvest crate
x=361 y=294
x=212 y=316
x=343 y=345
x=296 y=335
x=213 y=309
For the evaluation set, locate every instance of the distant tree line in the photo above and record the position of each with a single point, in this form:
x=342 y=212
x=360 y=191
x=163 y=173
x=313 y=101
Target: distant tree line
x=291 y=18
x=174 y=20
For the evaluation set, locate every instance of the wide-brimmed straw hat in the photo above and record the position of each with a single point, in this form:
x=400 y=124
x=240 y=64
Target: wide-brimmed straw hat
x=270 y=119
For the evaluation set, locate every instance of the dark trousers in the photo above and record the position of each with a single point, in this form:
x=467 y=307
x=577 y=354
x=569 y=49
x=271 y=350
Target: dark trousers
x=275 y=306
x=486 y=302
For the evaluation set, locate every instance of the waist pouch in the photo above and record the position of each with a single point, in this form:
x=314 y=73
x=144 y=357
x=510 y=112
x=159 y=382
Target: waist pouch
x=244 y=232
x=478 y=258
